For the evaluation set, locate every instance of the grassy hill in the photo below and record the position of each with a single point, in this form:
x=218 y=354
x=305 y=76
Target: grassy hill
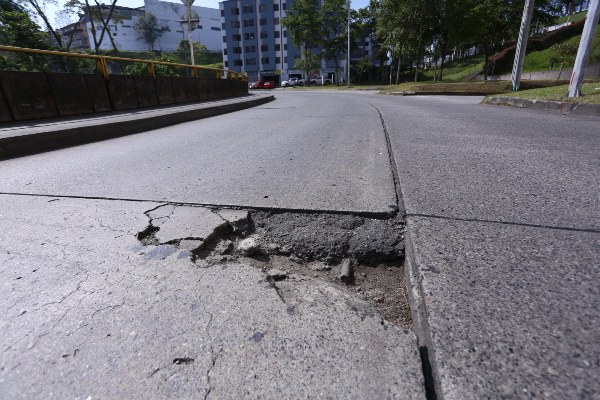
x=572 y=18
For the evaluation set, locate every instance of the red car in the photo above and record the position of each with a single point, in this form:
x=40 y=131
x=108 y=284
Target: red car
x=269 y=85
x=257 y=85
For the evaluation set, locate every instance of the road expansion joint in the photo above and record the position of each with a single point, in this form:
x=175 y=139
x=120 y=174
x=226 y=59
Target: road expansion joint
x=302 y=255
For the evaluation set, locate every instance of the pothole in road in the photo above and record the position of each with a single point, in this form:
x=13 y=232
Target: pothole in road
x=292 y=248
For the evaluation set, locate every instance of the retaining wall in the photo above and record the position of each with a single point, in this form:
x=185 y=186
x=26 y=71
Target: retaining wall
x=33 y=95
x=591 y=72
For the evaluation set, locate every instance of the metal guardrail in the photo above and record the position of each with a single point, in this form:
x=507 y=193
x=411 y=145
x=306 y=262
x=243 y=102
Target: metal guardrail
x=102 y=68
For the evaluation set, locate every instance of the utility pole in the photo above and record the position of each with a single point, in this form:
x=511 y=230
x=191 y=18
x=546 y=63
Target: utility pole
x=522 y=45
x=188 y=21
x=585 y=48
x=348 y=54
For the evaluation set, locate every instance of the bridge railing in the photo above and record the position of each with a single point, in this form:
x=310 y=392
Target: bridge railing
x=102 y=66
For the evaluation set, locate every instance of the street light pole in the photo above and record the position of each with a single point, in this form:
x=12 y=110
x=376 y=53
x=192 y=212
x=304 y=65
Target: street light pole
x=189 y=15
x=348 y=54
x=585 y=48
x=521 y=45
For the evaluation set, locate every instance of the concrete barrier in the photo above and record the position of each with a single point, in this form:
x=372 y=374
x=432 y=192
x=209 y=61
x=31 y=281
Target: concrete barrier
x=219 y=88
x=70 y=94
x=122 y=92
x=33 y=95
x=179 y=89
x=145 y=90
x=164 y=90
x=202 y=89
x=28 y=95
x=592 y=71
x=4 y=113
x=210 y=88
x=191 y=85
x=98 y=92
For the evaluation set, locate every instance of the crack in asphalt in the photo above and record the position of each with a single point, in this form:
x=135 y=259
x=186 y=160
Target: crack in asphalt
x=486 y=221
x=381 y=215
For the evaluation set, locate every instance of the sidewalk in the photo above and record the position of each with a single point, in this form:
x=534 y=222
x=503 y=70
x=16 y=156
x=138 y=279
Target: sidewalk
x=23 y=138
x=502 y=246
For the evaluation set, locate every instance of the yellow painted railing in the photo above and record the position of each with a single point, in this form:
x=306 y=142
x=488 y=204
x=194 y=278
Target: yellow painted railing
x=102 y=68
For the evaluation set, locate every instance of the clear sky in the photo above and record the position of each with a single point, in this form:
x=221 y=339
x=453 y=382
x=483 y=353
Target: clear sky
x=51 y=10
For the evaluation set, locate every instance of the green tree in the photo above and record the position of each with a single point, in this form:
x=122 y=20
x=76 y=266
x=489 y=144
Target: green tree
x=566 y=51
x=96 y=14
x=19 y=30
x=333 y=16
x=308 y=62
x=148 y=28
x=164 y=70
x=303 y=24
x=184 y=48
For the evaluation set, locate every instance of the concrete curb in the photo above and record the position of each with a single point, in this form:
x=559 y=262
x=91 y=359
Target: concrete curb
x=411 y=93
x=562 y=107
x=21 y=139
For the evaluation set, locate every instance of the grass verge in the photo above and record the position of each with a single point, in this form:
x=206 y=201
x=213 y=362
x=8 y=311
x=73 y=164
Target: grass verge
x=590 y=93
x=481 y=87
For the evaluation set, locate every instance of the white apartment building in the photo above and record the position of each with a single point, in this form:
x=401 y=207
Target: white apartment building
x=168 y=16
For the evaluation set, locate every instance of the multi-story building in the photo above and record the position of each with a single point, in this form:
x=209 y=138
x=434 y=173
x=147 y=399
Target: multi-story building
x=75 y=36
x=254 y=41
x=168 y=15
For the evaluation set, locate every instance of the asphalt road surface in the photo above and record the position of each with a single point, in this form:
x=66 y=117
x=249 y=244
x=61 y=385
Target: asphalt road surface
x=503 y=244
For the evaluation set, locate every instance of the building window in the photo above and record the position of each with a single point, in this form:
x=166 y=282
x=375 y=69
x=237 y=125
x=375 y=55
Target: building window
x=238 y=63
x=248 y=22
x=250 y=49
x=225 y=51
x=366 y=43
x=222 y=13
x=276 y=7
x=285 y=59
x=248 y=9
x=237 y=50
x=235 y=24
x=249 y=35
x=284 y=6
x=276 y=34
x=215 y=28
x=234 y=11
x=263 y=21
x=264 y=35
x=250 y=61
x=262 y=8
x=296 y=57
x=277 y=60
x=226 y=64
x=236 y=37
x=277 y=47
x=264 y=47
x=224 y=39
x=366 y=52
x=285 y=46
x=264 y=60
x=223 y=26
x=276 y=21
x=284 y=33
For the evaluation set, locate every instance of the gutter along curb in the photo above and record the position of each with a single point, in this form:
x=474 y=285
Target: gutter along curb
x=562 y=107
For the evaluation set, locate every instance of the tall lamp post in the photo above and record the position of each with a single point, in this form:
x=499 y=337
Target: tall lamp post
x=348 y=55
x=191 y=21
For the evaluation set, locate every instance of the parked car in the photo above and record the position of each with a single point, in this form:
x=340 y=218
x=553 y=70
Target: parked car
x=257 y=85
x=317 y=80
x=293 y=82
x=269 y=85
